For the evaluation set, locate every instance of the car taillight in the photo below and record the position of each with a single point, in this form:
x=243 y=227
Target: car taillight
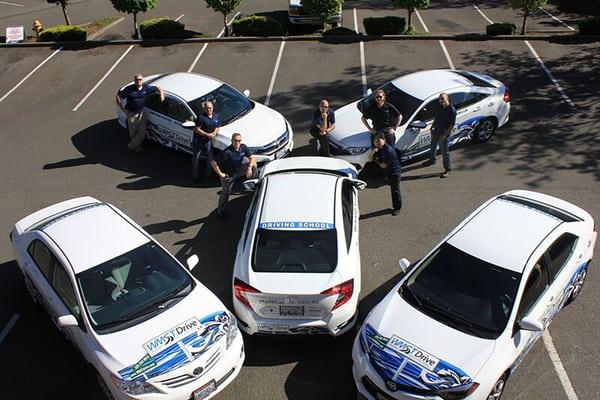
x=344 y=292
x=240 y=288
x=506 y=96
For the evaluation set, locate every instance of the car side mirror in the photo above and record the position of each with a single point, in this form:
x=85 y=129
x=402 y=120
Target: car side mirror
x=358 y=184
x=250 y=184
x=192 y=261
x=418 y=124
x=188 y=124
x=66 y=321
x=247 y=93
x=369 y=91
x=531 y=324
x=404 y=265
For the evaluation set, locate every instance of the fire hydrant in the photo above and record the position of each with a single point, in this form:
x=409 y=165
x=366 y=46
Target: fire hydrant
x=37 y=27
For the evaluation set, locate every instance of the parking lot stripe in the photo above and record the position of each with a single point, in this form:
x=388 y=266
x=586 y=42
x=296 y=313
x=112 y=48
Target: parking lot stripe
x=363 y=68
x=421 y=21
x=274 y=75
x=558 y=19
x=445 y=50
x=29 y=74
x=8 y=327
x=178 y=18
x=203 y=49
x=547 y=71
x=11 y=4
x=558 y=366
x=106 y=28
x=103 y=78
x=228 y=23
x=482 y=14
x=355 y=20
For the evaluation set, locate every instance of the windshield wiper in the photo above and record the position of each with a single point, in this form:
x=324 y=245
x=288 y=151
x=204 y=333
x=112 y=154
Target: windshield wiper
x=404 y=288
x=452 y=319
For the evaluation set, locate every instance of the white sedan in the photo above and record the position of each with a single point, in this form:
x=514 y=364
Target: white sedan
x=138 y=317
x=464 y=316
x=265 y=131
x=297 y=268
x=482 y=104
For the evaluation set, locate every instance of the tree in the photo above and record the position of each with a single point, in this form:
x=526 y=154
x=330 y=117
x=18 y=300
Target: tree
x=134 y=7
x=528 y=7
x=410 y=6
x=224 y=7
x=324 y=9
x=63 y=4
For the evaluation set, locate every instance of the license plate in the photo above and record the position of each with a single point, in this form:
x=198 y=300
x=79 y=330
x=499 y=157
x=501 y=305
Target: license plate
x=205 y=390
x=291 y=311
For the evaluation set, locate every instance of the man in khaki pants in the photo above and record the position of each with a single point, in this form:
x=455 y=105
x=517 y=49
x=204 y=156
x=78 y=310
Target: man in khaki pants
x=136 y=96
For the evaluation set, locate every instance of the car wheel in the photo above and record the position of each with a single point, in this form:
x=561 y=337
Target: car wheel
x=498 y=389
x=32 y=292
x=485 y=130
x=577 y=286
x=104 y=388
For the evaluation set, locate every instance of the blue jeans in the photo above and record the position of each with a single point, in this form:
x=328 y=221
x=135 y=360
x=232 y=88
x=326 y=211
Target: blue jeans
x=444 y=149
x=202 y=154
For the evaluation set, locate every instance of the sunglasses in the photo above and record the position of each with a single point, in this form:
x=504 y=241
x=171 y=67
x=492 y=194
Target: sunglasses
x=380 y=97
x=236 y=140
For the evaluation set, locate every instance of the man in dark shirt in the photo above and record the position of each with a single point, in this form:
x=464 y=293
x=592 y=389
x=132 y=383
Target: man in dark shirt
x=323 y=122
x=229 y=167
x=207 y=128
x=384 y=116
x=135 y=97
x=385 y=156
x=443 y=123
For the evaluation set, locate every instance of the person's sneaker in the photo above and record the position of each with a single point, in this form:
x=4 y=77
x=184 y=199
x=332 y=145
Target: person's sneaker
x=429 y=162
x=445 y=174
x=396 y=212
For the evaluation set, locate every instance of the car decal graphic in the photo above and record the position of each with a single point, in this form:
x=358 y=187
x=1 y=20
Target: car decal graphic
x=296 y=225
x=403 y=365
x=178 y=346
x=168 y=137
x=559 y=301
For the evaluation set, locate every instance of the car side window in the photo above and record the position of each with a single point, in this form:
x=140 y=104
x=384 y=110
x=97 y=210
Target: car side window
x=176 y=110
x=536 y=284
x=347 y=210
x=42 y=257
x=63 y=287
x=153 y=102
x=560 y=252
x=472 y=98
x=427 y=113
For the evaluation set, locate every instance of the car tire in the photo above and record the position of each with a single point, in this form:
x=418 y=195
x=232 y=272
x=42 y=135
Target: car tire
x=498 y=388
x=484 y=130
x=31 y=290
x=104 y=388
x=577 y=286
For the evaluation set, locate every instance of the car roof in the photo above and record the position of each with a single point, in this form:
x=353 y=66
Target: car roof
x=93 y=234
x=186 y=85
x=299 y=201
x=423 y=84
x=505 y=233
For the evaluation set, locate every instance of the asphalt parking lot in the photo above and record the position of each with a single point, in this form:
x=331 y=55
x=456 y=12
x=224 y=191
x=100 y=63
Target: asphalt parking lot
x=50 y=153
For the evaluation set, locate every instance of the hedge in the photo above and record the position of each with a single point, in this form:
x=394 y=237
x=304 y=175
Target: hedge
x=162 y=28
x=63 y=33
x=501 y=28
x=389 y=25
x=257 y=26
x=590 y=26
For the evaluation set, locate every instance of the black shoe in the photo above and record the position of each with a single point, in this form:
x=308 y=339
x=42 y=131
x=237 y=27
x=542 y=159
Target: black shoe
x=396 y=212
x=445 y=174
x=429 y=162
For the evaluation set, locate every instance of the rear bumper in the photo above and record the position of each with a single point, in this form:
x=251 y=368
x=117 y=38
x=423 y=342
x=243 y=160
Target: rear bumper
x=312 y=20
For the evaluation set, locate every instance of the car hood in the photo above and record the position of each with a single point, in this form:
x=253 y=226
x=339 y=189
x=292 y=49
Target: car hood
x=436 y=355
x=156 y=346
x=259 y=127
x=349 y=129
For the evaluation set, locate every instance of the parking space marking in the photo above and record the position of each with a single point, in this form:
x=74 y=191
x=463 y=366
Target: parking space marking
x=29 y=74
x=203 y=49
x=355 y=20
x=106 y=28
x=558 y=366
x=228 y=23
x=558 y=20
x=552 y=78
x=421 y=21
x=482 y=14
x=9 y=326
x=274 y=75
x=445 y=50
x=103 y=78
x=11 y=4
x=363 y=68
x=178 y=18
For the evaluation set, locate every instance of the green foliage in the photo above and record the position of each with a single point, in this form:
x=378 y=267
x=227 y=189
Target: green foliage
x=223 y=6
x=501 y=28
x=410 y=6
x=590 y=26
x=133 y=6
x=528 y=6
x=63 y=33
x=162 y=28
x=390 y=25
x=257 y=26
x=340 y=31
x=324 y=9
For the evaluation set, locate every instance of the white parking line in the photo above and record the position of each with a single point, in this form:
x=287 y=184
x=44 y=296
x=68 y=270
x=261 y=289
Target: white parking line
x=29 y=74
x=547 y=71
x=103 y=78
x=8 y=327
x=106 y=28
x=363 y=68
x=11 y=4
x=558 y=366
x=274 y=75
x=355 y=20
x=445 y=50
x=228 y=23
x=178 y=18
x=482 y=14
x=203 y=49
x=558 y=19
x=421 y=21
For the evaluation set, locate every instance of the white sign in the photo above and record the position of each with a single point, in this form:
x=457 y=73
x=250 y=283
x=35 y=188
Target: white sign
x=15 y=34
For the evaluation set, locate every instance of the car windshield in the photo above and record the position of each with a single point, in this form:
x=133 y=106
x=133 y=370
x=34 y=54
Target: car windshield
x=228 y=102
x=138 y=284
x=295 y=251
x=463 y=292
x=404 y=102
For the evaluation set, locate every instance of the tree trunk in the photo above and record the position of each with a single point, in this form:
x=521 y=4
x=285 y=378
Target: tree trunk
x=65 y=13
x=409 y=24
x=525 y=14
x=136 y=32
x=225 y=28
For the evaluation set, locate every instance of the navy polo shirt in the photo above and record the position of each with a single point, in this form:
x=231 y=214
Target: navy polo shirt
x=136 y=98
x=382 y=117
x=317 y=120
x=230 y=159
x=208 y=125
x=387 y=155
x=445 y=118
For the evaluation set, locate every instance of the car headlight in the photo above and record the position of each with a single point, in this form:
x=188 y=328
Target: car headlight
x=356 y=150
x=232 y=330
x=135 y=387
x=458 y=392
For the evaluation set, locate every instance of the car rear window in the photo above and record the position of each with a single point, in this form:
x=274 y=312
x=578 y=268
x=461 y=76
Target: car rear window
x=295 y=251
x=475 y=80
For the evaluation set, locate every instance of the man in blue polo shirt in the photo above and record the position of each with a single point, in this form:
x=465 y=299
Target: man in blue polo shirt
x=229 y=166
x=323 y=122
x=207 y=127
x=385 y=156
x=443 y=123
x=135 y=97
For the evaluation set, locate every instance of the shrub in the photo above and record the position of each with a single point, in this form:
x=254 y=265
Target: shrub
x=339 y=31
x=590 y=26
x=257 y=26
x=63 y=33
x=501 y=28
x=162 y=28
x=389 y=25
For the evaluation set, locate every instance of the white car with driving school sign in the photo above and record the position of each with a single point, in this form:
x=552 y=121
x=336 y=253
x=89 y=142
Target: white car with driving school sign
x=139 y=319
x=464 y=316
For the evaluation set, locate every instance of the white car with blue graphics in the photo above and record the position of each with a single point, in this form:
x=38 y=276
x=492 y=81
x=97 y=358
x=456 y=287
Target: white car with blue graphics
x=139 y=319
x=482 y=104
x=297 y=268
x=464 y=316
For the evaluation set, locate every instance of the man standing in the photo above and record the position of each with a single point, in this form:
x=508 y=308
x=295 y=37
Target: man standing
x=443 y=123
x=136 y=96
x=385 y=156
x=384 y=116
x=229 y=167
x=323 y=122
x=207 y=127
